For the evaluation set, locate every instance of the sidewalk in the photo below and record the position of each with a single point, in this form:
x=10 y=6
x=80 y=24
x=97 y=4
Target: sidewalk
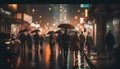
x=102 y=61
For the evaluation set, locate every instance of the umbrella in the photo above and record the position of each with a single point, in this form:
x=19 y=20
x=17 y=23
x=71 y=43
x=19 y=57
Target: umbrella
x=50 y=32
x=66 y=26
x=58 y=31
x=25 y=30
x=35 y=31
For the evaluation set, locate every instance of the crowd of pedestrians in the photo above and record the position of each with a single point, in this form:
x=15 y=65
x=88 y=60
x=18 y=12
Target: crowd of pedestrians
x=27 y=39
x=64 y=41
x=75 y=42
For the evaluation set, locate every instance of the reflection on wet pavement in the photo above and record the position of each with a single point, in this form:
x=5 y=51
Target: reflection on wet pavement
x=44 y=59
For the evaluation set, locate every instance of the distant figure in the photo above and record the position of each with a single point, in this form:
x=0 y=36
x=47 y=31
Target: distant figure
x=89 y=43
x=75 y=45
x=66 y=42
x=22 y=38
x=82 y=41
x=110 y=41
x=36 y=40
x=52 y=41
x=29 y=42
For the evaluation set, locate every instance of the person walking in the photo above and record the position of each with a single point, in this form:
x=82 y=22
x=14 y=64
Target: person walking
x=75 y=45
x=41 y=38
x=52 y=41
x=29 y=42
x=22 y=38
x=59 y=41
x=36 y=40
x=66 y=42
x=89 y=43
x=82 y=41
x=110 y=41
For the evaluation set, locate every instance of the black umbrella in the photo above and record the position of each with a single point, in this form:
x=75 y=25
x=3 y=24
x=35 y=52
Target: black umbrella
x=58 y=31
x=25 y=30
x=51 y=32
x=35 y=31
x=66 y=26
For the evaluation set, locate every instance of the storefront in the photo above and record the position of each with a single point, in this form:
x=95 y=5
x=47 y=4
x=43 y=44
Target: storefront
x=90 y=26
x=6 y=20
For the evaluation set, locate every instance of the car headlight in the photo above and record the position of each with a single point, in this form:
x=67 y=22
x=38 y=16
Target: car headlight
x=7 y=42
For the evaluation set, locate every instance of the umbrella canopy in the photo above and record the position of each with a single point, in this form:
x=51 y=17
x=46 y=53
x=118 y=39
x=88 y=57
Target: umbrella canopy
x=51 y=32
x=35 y=31
x=25 y=30
x=58 y=31
x=66 y=26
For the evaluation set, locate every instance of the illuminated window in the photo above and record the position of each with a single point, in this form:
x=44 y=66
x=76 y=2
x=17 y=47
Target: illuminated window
x=13 y=6
x=81 y=20
x=86 y=12
x=19 y=16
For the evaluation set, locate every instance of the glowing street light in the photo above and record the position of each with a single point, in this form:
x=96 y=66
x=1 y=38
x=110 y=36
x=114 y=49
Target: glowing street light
x=40 y=17
x=33 y=10
x=78 y=10
x=76 y=17
x=81 y=20
x=49 y=8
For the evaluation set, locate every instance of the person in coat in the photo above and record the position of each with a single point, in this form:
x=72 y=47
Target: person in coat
x=29 y=41
x=82 y=41
x=110 y=41
x=75 y=45
x=59 y=41
x=36 y=40
x=22 y=38
x=89 y=43
x=52 y=41
x=66 y=42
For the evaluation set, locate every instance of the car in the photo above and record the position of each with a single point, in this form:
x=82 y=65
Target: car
x=8 y=45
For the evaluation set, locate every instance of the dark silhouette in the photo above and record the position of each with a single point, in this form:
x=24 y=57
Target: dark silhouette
x=22 y=38
x=75 y=45
x=36 y=40
x=29 y=42
x=82 y=41
x=110 y=41
x=52 y=41
x=89 y=43
x=59 y=41
x=66 y=42
x=41 y=40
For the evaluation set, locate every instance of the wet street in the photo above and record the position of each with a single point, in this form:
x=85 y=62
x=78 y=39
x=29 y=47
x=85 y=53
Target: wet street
x=44 y=59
